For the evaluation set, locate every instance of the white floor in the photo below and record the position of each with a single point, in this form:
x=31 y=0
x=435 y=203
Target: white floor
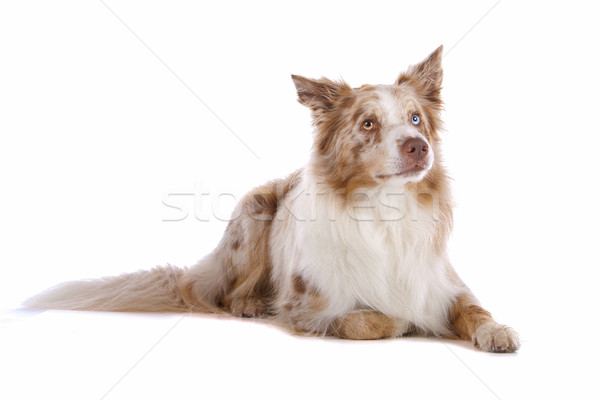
x=84 y=355
x=129 y=128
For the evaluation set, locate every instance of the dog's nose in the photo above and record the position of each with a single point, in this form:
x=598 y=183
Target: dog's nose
x=415 y=148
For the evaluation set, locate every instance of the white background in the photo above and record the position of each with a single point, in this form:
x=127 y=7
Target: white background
x=103 y=115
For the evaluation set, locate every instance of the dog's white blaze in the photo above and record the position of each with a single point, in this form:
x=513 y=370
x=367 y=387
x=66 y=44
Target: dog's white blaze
x=398 y=128
x=393 y=112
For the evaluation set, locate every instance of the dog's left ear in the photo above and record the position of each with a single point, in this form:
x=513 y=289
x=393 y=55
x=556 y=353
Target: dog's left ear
x=320 y=95
x=426 y=75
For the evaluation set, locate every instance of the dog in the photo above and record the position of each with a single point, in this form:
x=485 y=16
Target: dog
x=353 y=245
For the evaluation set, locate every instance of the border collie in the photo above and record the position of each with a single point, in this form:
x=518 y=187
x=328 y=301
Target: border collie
x=351 y=245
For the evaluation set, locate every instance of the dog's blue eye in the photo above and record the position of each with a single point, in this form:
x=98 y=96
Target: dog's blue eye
x=416 y=120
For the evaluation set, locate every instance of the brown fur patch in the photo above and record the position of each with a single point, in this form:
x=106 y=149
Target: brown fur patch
x=298 y=284
x=338 y=148
x=363 y=325
x=466 y=316
x=299 y=306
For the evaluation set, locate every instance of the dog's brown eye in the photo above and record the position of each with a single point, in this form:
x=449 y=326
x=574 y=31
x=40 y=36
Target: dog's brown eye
x=368 y=125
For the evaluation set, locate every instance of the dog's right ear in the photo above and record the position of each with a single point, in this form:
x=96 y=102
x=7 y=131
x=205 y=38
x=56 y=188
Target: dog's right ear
x=318 y=94
x=426 y=76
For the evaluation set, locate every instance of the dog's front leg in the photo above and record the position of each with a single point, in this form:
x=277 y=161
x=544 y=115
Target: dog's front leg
x=471 y=322
x=367 y=325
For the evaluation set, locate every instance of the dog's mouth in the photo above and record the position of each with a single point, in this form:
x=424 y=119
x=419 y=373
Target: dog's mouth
x=412 y=171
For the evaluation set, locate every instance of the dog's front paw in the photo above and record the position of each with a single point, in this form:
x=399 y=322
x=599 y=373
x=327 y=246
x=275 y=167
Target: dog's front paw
x=496 y=338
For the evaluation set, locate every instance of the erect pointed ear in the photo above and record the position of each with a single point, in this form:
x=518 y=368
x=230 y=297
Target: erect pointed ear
x=427 y=75
x=318 y=94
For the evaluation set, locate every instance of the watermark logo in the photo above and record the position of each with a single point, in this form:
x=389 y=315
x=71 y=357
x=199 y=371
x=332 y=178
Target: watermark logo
x=317 y=203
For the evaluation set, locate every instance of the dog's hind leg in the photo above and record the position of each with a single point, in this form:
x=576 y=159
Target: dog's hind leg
x=236 y=276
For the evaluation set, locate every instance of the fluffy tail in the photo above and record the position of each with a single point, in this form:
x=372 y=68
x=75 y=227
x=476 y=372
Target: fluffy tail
x=157 y=290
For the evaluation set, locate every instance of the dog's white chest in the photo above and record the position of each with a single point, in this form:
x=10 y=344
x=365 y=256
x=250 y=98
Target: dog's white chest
x=377 y=256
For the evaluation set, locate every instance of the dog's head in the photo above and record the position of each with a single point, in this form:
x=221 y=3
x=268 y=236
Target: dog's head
x=375 y=134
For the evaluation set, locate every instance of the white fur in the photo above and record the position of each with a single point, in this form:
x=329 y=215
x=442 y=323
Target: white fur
x=375 y=256
x=394 y=114
x=154 y=290
x=396 y=119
